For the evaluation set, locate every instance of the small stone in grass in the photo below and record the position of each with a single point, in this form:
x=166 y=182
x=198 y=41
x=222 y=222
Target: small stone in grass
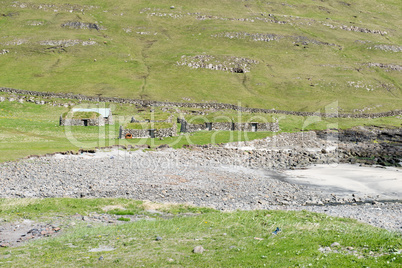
x=198 y=249
x=335 y=244
x=158 y=238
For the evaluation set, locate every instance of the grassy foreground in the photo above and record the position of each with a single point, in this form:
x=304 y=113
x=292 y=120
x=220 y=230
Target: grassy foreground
x=231 y=239
x=31 y=129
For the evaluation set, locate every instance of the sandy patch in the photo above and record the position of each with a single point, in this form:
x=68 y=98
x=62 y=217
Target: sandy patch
x=347 y=179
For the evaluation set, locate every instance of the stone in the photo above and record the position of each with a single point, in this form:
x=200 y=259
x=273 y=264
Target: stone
x=335 y=244
x=325 y=249
x=158 y=238
x=4 y=244
x=198 y=250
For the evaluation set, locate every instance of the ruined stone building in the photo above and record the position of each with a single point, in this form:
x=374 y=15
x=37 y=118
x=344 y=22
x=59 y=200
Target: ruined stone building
x=87 y=117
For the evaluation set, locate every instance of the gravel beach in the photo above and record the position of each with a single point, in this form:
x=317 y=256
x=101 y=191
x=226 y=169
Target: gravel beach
x=220 y=179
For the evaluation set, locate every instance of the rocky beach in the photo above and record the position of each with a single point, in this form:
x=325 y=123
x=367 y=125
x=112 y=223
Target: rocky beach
x=247 y=175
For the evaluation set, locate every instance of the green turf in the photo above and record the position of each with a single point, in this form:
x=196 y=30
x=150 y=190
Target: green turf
x=135 y=55
x=82 y=115
x=231 y=239
x=148 y=125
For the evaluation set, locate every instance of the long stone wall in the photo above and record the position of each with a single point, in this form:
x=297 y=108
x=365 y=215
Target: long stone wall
x=229 y=126
x=216 y=106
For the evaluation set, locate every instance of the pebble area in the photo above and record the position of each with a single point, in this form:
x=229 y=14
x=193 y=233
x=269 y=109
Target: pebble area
x=183 y=176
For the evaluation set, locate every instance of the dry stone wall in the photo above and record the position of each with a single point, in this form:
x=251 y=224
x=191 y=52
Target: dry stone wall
x=229 y=126
x=256 y=127
x=149 y=133
x=135 y=133
x=166 y=132
x=194 y=127
x=215 y=106
x=82 y=122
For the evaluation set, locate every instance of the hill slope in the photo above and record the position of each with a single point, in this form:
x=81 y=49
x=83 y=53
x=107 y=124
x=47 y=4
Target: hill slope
x=293 y=55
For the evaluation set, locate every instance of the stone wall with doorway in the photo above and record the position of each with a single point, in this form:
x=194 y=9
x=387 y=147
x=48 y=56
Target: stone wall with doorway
x=257 y=127
x=82 y=122
x=229 y=126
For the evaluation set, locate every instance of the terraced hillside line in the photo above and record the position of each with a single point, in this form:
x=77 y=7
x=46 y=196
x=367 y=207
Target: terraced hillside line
x=209 y=105
x=147 y=46
x=244 y=83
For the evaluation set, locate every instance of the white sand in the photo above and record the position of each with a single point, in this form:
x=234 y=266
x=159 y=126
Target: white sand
x=347 y=179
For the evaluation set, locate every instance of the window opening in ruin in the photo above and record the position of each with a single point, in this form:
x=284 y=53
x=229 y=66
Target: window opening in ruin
x=85 y=122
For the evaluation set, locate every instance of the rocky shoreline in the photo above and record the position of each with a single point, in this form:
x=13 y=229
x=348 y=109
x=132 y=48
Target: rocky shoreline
x=245 y=175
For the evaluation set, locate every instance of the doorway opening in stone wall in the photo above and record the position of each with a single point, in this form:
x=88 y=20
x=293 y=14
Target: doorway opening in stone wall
x=85 y=122
x=208 y=126
x=152 y=133
x=254 y=127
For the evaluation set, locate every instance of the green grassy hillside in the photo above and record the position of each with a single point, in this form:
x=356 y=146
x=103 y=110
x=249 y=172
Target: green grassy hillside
x=299 y=55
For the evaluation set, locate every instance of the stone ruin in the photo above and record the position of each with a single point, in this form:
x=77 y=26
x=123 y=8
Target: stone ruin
x=105 y=118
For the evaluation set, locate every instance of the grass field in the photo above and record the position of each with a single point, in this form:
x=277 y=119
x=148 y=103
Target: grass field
x=134 y=54
x=241 y=238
